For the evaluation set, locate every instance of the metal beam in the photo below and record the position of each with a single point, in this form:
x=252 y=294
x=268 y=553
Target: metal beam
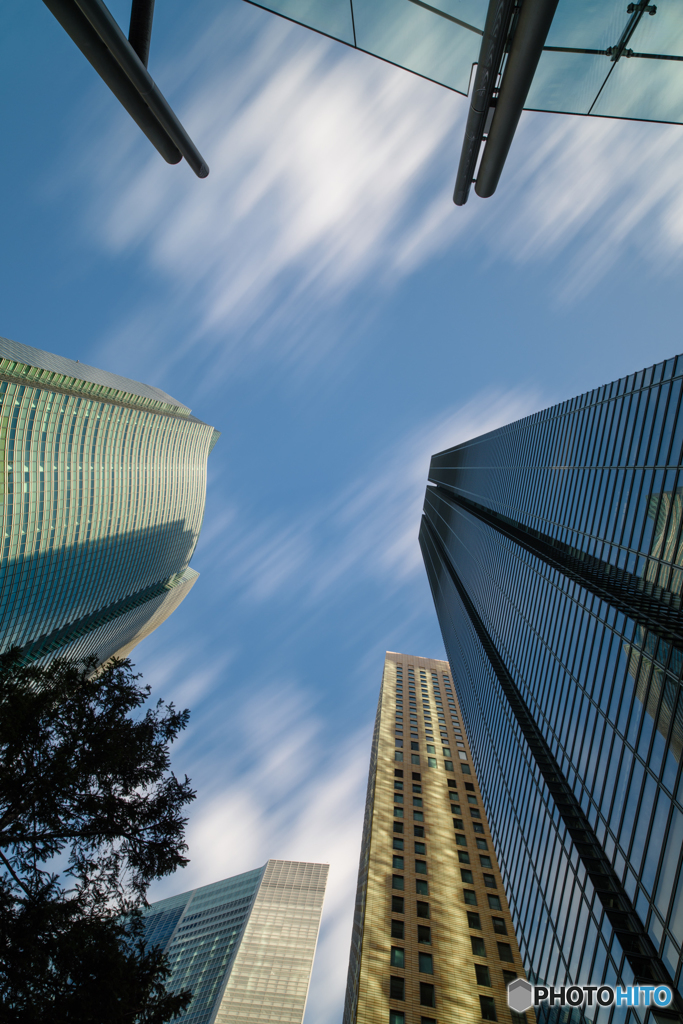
x=525 y=52
x=496 y=30
x=140 y=31
x=99 y=38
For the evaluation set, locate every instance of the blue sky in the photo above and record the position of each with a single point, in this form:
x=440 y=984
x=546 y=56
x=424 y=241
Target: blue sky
x=321 y=302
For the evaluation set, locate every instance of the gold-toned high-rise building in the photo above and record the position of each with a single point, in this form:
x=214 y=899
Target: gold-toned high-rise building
x=432 y=936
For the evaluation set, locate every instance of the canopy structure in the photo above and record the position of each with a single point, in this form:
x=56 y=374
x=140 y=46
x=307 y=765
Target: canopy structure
x=122 y=65
x=602 y=58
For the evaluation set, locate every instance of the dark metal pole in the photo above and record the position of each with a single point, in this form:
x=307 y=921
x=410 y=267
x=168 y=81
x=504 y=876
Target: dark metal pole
x=496 y=31
x=102 y=42
x=140 y=31
x=525 y=52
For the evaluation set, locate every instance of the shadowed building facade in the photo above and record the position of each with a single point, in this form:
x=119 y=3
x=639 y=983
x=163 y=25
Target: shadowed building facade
x=554 y=552
x=432 y=934
x=244 y=946
x=102 y=497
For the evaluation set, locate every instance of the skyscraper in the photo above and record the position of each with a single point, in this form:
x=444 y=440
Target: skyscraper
x=244 y=946
x=553 y=549
x=432 y=933
x=103 y=488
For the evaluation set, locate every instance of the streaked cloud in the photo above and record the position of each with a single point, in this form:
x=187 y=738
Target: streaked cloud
x=368 y=529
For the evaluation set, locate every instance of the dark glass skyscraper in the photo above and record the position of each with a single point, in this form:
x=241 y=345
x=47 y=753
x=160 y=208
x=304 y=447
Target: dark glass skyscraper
x=554 y=552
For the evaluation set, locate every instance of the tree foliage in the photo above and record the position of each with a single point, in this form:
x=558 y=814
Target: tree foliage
x=90 y=814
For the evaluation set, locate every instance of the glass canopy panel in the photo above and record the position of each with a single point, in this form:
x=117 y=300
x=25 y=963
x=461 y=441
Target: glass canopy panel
x=429 y=39
x=649 y=90
x=567 y=83
x=440 y=40
x=331 y=17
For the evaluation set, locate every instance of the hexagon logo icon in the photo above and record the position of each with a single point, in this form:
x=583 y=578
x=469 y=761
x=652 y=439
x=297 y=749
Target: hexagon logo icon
x=520 y=995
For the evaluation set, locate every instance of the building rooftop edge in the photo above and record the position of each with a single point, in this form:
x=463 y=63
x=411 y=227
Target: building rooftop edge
x=54 y=363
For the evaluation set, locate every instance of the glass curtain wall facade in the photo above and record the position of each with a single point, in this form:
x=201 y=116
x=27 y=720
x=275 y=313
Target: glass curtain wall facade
x=433 y=940
x=244 y=946
x=102 y=491
x=554 y=552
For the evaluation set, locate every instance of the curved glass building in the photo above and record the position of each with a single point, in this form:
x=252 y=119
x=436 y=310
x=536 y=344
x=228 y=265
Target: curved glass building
x=103 y=488
x=555 y=555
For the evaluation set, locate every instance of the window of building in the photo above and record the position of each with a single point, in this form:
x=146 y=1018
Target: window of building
x=455 y=809
x=490 y=881
x=481 y=844
x=508 y=977
x=461 y=840
x=465 y=769
x=469 y=786
x=424 y=934
x=418 y=830
x=470 y=897
x=417 y=788
x=505 y=952
x=446 y=751
x=397 y=844
x=483 y=975
x=420 y=848
x=473 y=919
x=417 y=800
x=488 y=1007
x=398 y=797
x=452 y=784
x=448 y=765
x=431 y=762
x=398 y=755
x=485 y=861
x=397 y=988
x=426 y=963
x=398 y=812
x=397 y=882
x=398 y=826
x=418 y=816
x=417 y=777
x=478 y=947
x=397 y=905
x=471 y=799
x=466 y=876
x=398 y=743
x=398 y=862
x=414 y=758
x=397 y=957
x=427 y=996
x=398 y=773
x=499 y=926
x=475 y=812
x=397 y=1017
x=431 y=749
x=397 y=929
x=494 y=902
x=398 y=784
x=422 y=909
x=477 y=827
x=414 y=746
x=421 y=887
x=463 y=856
x=421 y=867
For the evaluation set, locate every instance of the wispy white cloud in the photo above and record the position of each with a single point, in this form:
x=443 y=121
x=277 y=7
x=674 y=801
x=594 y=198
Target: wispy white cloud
x=593 y=189
x=317 y=155
x=369 y=528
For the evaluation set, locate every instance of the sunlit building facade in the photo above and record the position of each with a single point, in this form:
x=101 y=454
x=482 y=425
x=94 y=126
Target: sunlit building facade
x=433 y=940
x=553 y=549
x=244 y=946
x=103 y=488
